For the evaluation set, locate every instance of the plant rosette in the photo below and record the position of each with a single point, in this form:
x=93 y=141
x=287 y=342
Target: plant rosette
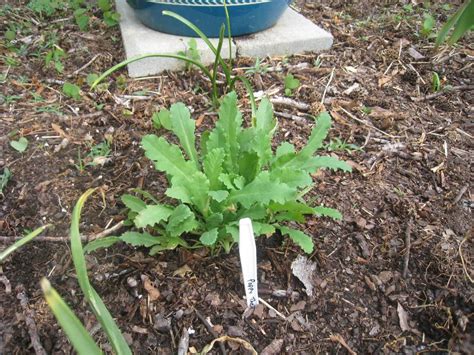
x=235 y=175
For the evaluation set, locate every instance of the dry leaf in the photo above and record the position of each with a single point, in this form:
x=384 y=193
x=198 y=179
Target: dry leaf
x=403 y=317
x=183 y=271
x=153 y=292
x=303 y=269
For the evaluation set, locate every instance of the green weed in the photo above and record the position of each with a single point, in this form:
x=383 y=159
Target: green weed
x=235 y=174
x=4 y=178
x=291 y=83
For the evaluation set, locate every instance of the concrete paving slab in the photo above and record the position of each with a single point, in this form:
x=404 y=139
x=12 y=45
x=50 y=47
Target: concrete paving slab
x=292 y=34
x=139 y=39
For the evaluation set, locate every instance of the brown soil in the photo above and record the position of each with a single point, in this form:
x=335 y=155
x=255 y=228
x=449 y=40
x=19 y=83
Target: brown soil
x=395 y=276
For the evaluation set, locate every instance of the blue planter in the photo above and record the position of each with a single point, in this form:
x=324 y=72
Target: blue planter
x=246 y=16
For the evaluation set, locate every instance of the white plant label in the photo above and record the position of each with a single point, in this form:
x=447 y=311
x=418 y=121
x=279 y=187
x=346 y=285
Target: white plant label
x=248 y=260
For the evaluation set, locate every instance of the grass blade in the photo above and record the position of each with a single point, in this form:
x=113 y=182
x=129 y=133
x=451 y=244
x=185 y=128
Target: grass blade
x=12 y=248
x=75 y=331
x=108 y=324
x=206 y=40
x=140 y=57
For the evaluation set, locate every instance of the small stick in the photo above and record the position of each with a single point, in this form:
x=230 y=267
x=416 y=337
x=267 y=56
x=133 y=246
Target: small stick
x=442 y=92
x=327 y=85
x=210 y=330
x=406 y=260
x=30 y=321
x=270 y=306
x=462 y=261
x=84 y=238
x=460 y=194
x=338 y=338
x=183 y=345
x=366 y=123
x=94 y=58
x=286 y=101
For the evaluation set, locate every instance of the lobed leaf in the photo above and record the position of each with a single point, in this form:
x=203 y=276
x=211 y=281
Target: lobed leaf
x=213 y=167
x=152 y=215
x=100 y=243
x=184 y=128
x=328 y=212
x=300 y=238
x=181 y=220
x=209 y=237
x=137 y=239
x=262 y=190
x=133 y=203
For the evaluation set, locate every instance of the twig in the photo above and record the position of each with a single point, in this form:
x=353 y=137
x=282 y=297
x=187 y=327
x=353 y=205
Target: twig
x=269 y=306
x=365 y=123
x=94 y=58
x=339 y=339
x=84 y=238
x=462 y=261
x=327 y=85
x=30 y=321
x=210 y=330
x=442 y=92
x=406 y=260
x=286 y=101
x=460 y=194
x=289 y=116
x=183 y=342
x=106 y=232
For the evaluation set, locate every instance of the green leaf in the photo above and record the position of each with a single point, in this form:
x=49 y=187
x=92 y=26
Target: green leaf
x=183 y=126
x=91 y=77
x=181 y=220
x=213 y=166
x=196 y=190
x=284 y=149
x=249 y=165
x=168 y=158
x=20 y=145
x=152 y=215
x=328 y=212
x=100 y=244
x=464 y=23
x=214 y=220
x=219 y=195
x=82 y=19
x=262 y=190
x=209 y=238
x=291 y=83
x=18 y=244
x=72 y=326
x=4 y=178
x=262 y=228
x=265 y=120
x=139 y=239
x=333 y=163
x=428 y=24
x=318 y=134
x=162 y=118
x=168 y=243
x=225 y=134
x=72 y=91
x=294 y=178
x=104 y=5
x=291 y=211
x=300 y=238
x=114 y=335
x=133 y=203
